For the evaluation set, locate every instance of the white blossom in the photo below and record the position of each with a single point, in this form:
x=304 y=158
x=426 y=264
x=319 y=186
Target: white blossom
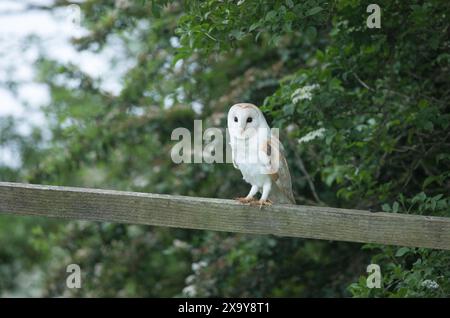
x=190 y=279
x=430 y=284
x=197 y=266
x=190 y=291
x=318 y=133
x=180 y=244
x=303 y=93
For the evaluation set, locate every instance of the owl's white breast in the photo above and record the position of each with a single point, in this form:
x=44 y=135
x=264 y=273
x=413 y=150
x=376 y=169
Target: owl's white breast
x=245 y=156
x=252 y=174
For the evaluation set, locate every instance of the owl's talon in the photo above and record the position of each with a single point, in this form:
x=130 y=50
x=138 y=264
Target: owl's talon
x=245 y=200
x=261 y=203
x=264 y=202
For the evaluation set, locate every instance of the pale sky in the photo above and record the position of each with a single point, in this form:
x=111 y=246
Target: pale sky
x=16 y=60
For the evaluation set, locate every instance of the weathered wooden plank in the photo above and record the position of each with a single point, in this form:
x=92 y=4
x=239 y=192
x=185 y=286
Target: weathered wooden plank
x=225 y=215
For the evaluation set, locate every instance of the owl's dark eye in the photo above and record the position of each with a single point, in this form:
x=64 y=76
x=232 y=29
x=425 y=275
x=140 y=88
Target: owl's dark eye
x=235 y=119
x=249 y=120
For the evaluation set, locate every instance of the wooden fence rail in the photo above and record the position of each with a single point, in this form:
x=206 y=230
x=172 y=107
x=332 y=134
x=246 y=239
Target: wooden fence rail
x=225 y=215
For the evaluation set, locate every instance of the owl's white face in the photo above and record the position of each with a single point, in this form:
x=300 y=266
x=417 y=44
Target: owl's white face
x=244 y=120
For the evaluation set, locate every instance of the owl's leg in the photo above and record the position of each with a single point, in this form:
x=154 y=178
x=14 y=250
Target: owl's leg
x=266 y=190
x=250 y=196
x=265 y=194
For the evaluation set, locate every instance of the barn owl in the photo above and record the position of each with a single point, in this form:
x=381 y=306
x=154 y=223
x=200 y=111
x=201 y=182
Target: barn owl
x=258 y=154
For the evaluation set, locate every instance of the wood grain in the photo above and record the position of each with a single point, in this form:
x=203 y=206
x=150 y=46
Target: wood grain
x=225 y=215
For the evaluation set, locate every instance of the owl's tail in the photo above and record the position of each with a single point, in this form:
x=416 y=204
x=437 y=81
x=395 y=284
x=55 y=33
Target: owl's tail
x=278 y=196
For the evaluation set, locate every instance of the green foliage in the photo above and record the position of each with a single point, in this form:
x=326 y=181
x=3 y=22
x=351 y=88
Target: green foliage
x=393 y=117
x=221 y=25
x=410 y=272
x=251 y=266
x=363 y=111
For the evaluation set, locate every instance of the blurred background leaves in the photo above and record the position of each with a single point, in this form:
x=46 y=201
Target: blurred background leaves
x=373 y=103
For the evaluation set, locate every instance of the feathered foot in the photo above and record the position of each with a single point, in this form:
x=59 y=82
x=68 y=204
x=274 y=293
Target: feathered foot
x=245 y=200
x=260 y=203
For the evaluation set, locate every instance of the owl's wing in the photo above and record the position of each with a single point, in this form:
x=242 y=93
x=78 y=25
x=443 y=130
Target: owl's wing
x=281 y=176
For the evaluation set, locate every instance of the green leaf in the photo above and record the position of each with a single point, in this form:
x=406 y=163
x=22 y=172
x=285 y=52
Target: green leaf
x=314 y=11
x=429 y=180
x=271 y=15
x=156 y=9
x=311 y=33
x=289 y=109
x=237 y=34
x=254 y=26
x=402 y=251
x=433 y=205
x=395 y=207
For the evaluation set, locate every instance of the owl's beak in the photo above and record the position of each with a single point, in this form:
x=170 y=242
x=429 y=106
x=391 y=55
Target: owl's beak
x=242 y=128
